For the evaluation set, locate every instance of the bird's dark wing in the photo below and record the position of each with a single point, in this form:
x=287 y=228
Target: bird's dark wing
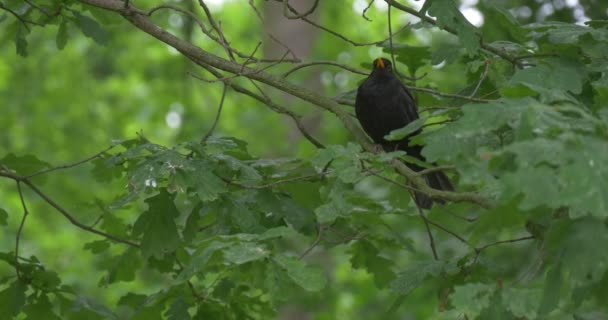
x=410 y=103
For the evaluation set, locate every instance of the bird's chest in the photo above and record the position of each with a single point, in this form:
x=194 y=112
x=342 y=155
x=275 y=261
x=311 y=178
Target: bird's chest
x=379 y=111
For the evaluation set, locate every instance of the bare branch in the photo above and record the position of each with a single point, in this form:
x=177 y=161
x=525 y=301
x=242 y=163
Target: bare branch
x=277 y=182
x=320 y=230
x=301 y=15
x=23 y=21
x=448 y=231
x=331 y=63
x=217 y=116
x=357 y=44
x=269 y=103
x=480 y=249
x=61 y=210
x=363 y=14
x=428 y=230
x=186 y=12
x=18 y=236
x=71 y=165
x=483 y=76
x=218 y=30
x=447 y=95
x=270 y=35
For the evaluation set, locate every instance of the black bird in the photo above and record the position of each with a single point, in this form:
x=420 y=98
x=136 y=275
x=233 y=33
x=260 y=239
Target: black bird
x=384 y=104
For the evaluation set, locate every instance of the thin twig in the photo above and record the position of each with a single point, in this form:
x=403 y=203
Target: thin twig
x=483 y=76
x=300 y=15
x=354 y=43
x=217 y=116
x=195 y=293
x=320 y=230
x=432 y=21
x=23 y=21
x=331 y=63
x=18 y=236
x=390 y=38
x=275 y=183
x=191 y=14
x=448 y=231
x=536 y=55
x=61 y=210
x=270 y=35
x=244 y=64
x=363 y=14
x=447 y=95
x=480 y=249
x=251 y=71
x=218 y=30
x=39 y=8
x=71 y=165
x=269 y=103
x=428 y=230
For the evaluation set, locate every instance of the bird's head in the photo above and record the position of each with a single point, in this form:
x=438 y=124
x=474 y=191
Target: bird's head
x=382 y=64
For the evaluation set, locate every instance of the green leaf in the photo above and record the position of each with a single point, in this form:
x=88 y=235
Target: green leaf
x=91 y=28
x=278 y=283
x=405 y=131
x=45 y=279
x=20 y=41
x=12 y=299
x=122 y=267
x=552 y=290
x=62 y=34
x=414 y=276
x=132 y=300
x=337 y=206
x=157 y=225
x=23 y=165
x=97 y=246
x=366 y=256
x=207 y=185
x=308 y=277
x=413 y=57
x=245 y=252
x=472 y=298
x=200 y=258
x=93 y=307
x=40 y=309
x=522 y=302
x=105 y=171
x=552 y=77
x=178 y=310
x=3 y=217
x=448 y=16
x=575 y=243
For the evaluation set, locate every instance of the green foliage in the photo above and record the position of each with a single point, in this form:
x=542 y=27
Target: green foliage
x=254 y=222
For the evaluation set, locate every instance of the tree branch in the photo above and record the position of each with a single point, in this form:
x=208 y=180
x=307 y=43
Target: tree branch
x=61 y=210
x=432 y=21
x=206 y=59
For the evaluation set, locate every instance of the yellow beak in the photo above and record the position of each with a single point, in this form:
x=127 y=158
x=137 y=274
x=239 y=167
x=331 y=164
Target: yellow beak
x=379 y=63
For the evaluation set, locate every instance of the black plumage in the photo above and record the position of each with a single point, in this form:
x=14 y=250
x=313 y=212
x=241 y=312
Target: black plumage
x=384 y=104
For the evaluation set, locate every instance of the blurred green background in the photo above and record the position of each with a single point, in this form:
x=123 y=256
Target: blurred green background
x=64 y=105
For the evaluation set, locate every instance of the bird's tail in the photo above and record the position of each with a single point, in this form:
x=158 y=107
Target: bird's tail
x=436 y=180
